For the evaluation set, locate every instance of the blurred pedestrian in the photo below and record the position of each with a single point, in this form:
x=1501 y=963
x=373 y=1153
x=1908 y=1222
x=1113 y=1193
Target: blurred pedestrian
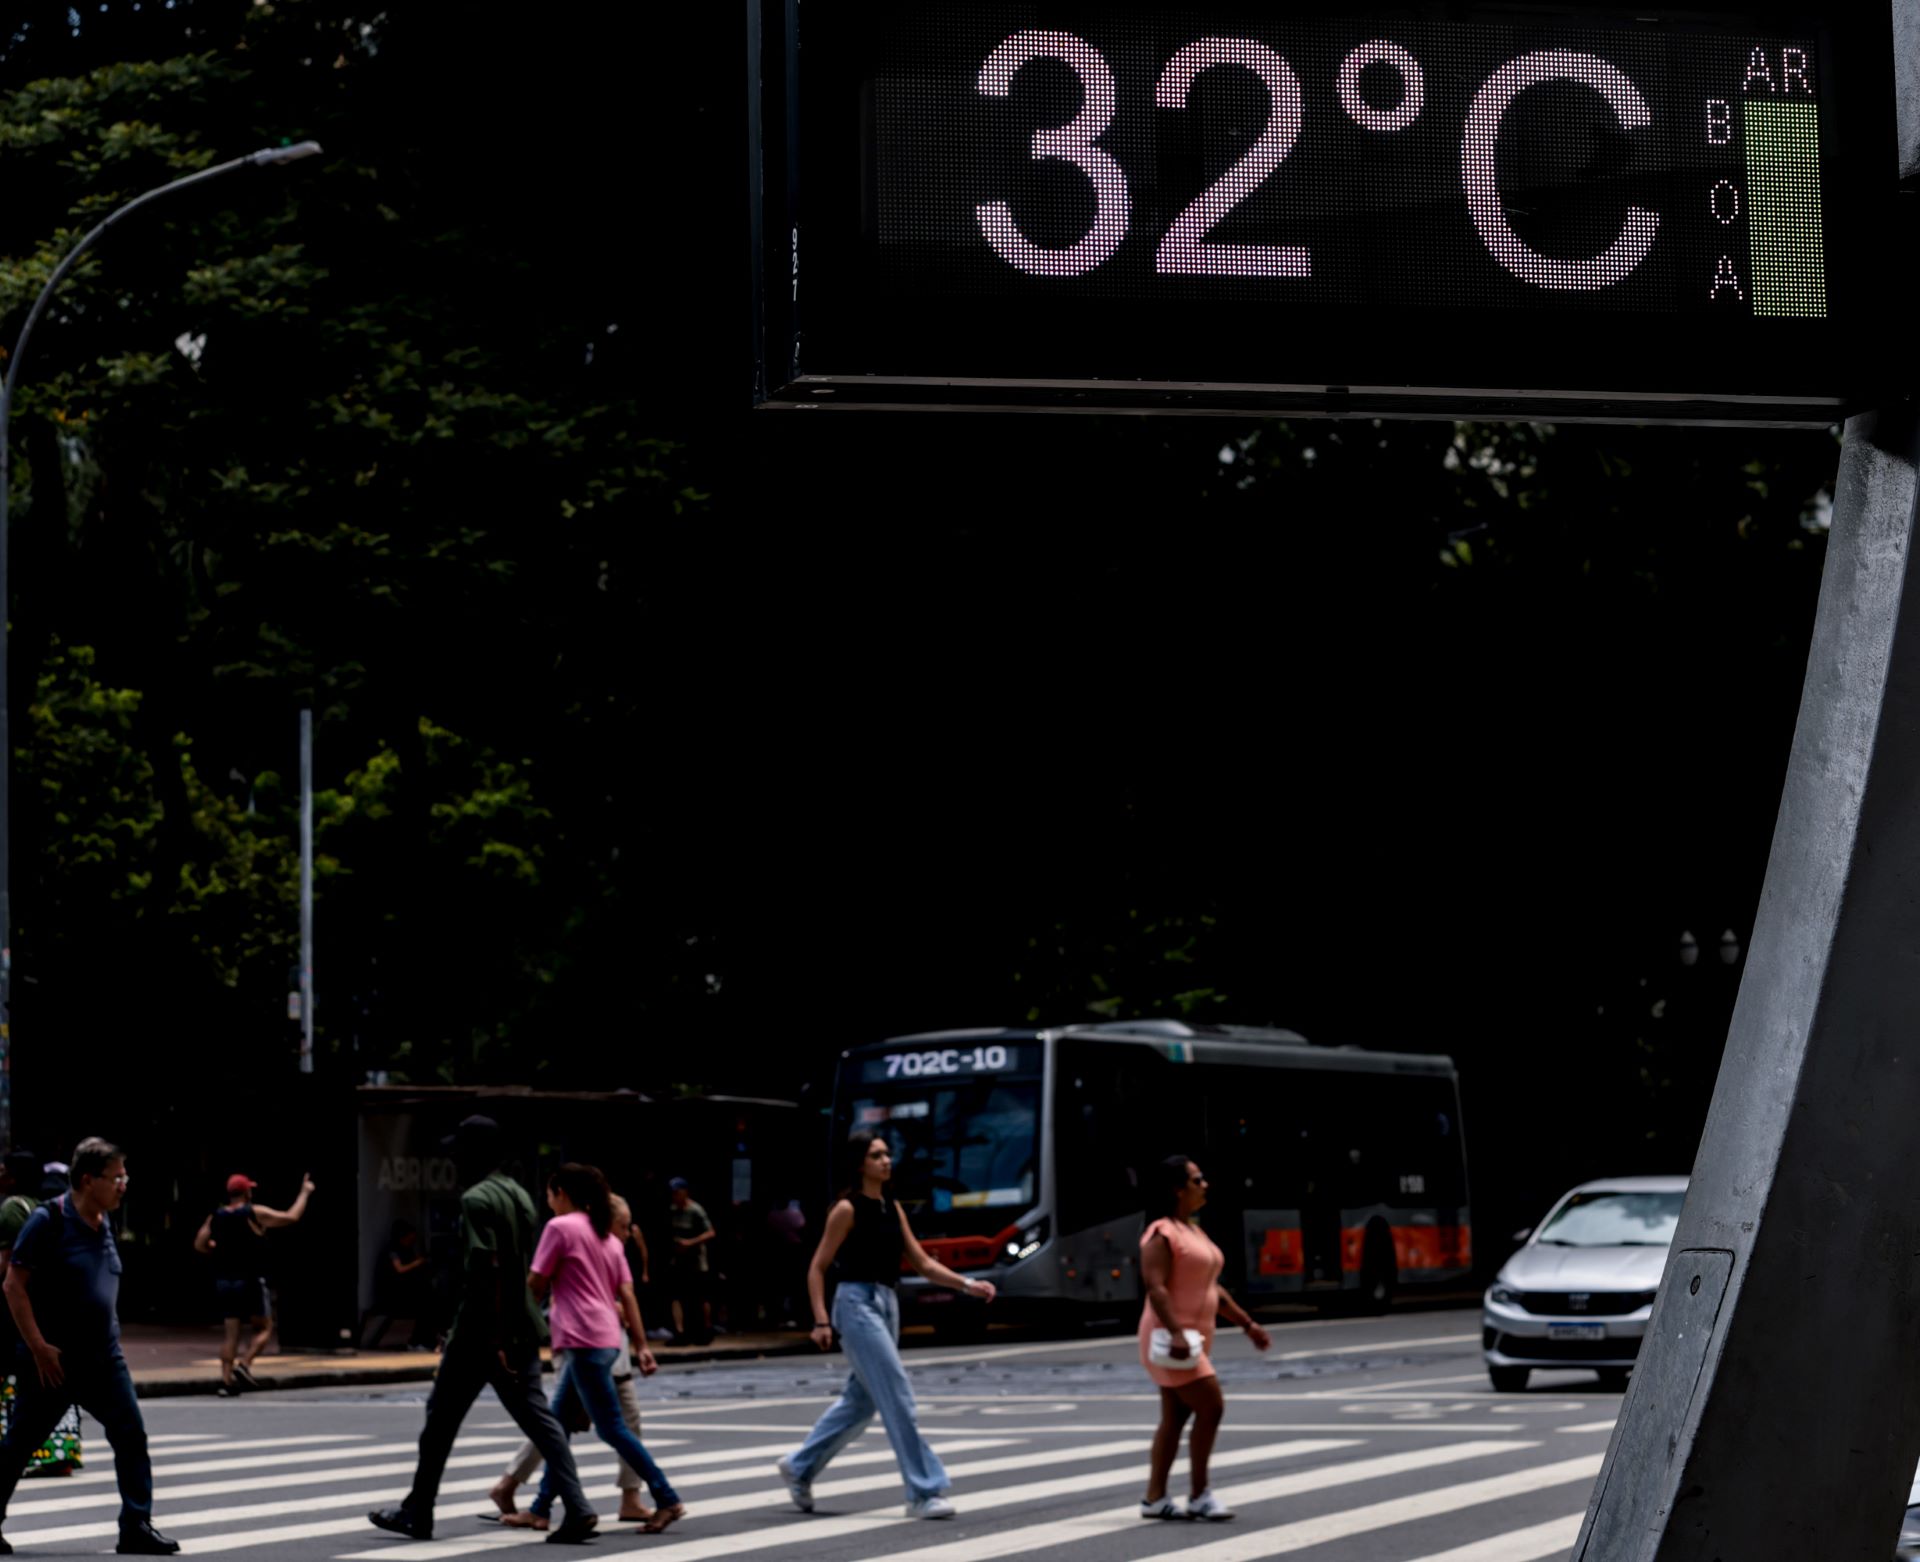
x=866 y=1239
x=1180 y=1267
x=235 y=1236
x=787 y=1241
x=494 y=1340
x=584 y=1268
x=63 y=1289
x=402 y=1288
x=691 y=1266
x=60 y=1454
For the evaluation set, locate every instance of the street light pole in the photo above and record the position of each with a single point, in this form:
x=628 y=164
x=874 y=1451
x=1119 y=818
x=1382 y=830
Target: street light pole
x=266 y=157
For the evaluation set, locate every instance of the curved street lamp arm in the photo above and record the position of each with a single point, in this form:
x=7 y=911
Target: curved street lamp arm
x=260 y=159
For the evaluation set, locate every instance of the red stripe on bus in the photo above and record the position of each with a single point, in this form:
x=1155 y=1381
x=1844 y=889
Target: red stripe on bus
x=1414 y=1247
x=1281 y=1252
x=964 y=1252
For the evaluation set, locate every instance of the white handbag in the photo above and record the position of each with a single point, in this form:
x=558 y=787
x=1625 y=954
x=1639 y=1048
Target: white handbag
x=1160 y=1347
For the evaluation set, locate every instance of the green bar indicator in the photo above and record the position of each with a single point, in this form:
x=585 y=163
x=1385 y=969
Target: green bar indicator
x=1783 y=209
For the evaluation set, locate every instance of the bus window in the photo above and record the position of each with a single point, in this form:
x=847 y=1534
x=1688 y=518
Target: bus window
x=966 y=1153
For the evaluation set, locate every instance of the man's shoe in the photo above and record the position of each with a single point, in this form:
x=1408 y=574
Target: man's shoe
x=800 y=1491
x=143 y=1540
x=576 y=1529
x=227 y=1391
x=930 y=1508
x=243 y=1374
x=399 y=1521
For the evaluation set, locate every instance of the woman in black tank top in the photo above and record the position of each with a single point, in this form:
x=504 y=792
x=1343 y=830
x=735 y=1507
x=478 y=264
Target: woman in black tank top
x=867 y=1242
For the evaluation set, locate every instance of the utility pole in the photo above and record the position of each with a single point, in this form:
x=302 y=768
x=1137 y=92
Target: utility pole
x=306 y=892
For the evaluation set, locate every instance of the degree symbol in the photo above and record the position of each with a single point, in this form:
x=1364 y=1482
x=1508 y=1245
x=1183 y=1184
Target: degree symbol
x=1381 y=52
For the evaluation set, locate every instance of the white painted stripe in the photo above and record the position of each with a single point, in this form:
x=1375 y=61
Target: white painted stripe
x=1590 y=1426
x=403 y=1468
x=1089 y=1526
x=1258 y=1545
x=382 y=1496
x=105 y=1495
x=760 y=1501
x=163 y=1470
x=1537 y=1541
x=718 y=1406
x=1431 y=1341
x=803 y=1532
x=1232 y=1428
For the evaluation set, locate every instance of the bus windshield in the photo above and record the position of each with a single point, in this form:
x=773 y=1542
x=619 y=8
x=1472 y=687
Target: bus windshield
x=966 y=1152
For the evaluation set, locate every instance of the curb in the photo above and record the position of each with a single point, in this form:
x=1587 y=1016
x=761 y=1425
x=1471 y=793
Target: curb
x=164 y=1385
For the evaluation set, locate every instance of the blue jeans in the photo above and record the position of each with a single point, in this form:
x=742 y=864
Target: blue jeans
x=97 y=1380
x=588 y=1378
x=868 y=1318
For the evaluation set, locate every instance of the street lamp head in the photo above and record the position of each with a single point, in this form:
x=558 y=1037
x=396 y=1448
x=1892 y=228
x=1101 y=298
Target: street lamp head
x=284 y=154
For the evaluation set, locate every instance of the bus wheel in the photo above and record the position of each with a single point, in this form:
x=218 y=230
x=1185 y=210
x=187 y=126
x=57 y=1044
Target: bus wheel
x=1377 y=1272
x=1508 y=1380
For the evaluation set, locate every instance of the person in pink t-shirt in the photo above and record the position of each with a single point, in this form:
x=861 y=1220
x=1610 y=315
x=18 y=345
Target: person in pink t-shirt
x=580 y=1268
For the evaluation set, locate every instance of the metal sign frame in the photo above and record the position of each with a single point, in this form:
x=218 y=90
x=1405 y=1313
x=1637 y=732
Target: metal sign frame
x=821 y=343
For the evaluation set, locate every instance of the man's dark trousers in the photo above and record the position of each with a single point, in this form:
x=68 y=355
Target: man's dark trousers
x=464 y=1371
x=99 y=1383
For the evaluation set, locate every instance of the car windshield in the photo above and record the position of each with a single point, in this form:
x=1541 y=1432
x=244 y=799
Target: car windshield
x=966 y=1153
x=1614 y=1220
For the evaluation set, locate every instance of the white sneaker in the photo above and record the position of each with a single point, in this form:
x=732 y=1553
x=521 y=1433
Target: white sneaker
x=930 y=1508
x=1209 y=1507
x=800 y=1491
x=1165 y=1508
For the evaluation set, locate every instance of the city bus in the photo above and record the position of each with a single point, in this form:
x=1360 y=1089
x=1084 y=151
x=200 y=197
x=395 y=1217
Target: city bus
x=1026 y=1156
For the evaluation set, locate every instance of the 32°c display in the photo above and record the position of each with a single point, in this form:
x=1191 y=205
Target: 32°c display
x=1232 y=198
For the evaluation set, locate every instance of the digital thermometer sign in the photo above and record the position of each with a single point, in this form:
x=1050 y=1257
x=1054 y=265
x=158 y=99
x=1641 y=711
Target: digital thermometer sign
x=1452 y=210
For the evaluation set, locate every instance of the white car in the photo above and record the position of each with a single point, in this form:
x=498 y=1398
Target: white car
x=1580 y=1290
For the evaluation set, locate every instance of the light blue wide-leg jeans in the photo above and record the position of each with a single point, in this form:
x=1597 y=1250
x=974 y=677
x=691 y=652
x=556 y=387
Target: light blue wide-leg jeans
x=868 y=1318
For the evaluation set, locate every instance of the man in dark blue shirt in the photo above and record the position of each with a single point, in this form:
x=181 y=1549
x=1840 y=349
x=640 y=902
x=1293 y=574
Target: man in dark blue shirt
x=63 y=1290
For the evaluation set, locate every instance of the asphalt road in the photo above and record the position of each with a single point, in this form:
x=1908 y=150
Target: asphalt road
x=1356 y=1440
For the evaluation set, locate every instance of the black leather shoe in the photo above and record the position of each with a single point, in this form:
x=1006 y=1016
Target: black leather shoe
x=400 y=1521
x=143 y=1540
x=574 y=1530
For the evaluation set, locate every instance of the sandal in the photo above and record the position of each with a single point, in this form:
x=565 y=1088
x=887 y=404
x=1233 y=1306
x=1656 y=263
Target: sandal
x=524 y=1520
x=662 y=1517
x=502 y=1495
x=634 y=1515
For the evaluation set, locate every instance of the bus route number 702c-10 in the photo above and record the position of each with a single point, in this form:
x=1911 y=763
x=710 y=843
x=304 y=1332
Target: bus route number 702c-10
x=948 y=1060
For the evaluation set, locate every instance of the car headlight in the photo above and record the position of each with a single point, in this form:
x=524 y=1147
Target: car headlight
x=1024 y=1244
x=1504 y=1293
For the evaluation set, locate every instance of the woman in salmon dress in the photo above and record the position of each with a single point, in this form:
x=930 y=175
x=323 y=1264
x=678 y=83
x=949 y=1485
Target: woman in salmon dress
x=1181 y=1268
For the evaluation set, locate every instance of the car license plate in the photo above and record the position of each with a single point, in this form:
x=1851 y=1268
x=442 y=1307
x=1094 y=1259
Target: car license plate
x=1576 y=1331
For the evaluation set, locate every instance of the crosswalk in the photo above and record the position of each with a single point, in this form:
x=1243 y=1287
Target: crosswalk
x=1339 y=1479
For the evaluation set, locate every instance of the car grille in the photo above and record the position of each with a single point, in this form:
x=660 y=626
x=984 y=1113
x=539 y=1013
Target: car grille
x=1591 y=1304
x=1525 y=1348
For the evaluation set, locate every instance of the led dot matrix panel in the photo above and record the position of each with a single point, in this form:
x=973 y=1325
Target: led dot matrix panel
x=1204 y=208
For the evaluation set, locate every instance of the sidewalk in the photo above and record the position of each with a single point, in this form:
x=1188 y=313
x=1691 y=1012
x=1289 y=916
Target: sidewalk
x=168 y=1361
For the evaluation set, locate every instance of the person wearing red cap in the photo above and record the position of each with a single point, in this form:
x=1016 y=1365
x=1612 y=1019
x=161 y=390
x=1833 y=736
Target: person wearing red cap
x=235 y=1235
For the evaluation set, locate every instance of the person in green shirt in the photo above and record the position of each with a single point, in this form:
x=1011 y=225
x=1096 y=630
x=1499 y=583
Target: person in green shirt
x=494 y=1341
x=60 y=1454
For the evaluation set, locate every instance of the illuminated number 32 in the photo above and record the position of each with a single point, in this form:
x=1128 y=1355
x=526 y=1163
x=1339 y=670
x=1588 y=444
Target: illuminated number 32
x=1184 y=251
